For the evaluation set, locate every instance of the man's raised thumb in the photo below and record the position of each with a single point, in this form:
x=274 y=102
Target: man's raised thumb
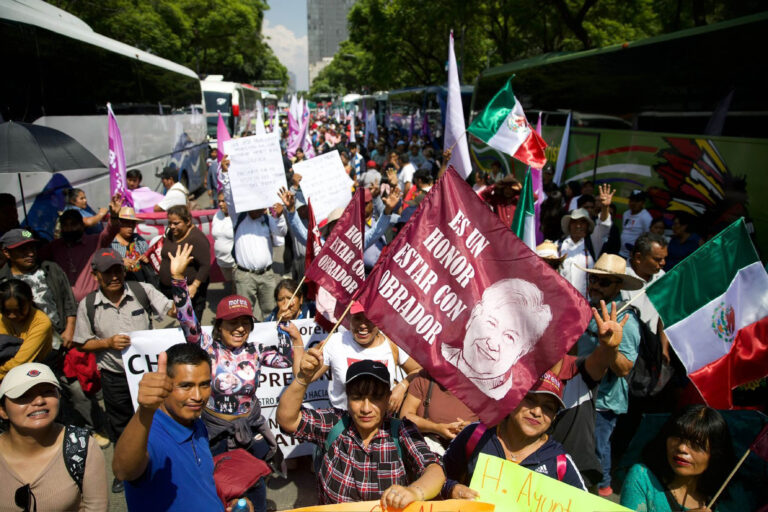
x=162 y=362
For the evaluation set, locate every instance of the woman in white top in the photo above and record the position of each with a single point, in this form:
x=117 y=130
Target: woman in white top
x=223 y=240
x=580 y=249
x=364 y=341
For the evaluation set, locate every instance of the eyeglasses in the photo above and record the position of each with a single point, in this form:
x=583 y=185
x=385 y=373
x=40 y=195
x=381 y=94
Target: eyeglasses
x=603 y=282
x=24 y=499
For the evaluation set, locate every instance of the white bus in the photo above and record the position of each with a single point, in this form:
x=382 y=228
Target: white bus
x=61 y=74
x=237 y=103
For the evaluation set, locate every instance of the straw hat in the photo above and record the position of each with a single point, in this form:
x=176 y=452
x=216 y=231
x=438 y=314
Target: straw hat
x=548 y=251
x=614 y=266
x=128 y=213
x=579 y=213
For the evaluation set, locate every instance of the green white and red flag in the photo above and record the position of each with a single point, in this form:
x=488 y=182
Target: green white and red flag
x=504 y=127
x=524 y=221
x=714 y=305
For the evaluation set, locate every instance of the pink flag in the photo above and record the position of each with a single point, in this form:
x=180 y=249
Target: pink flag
x=222 y=134
x=116 y=160
x=455 y=129
x=484 y=319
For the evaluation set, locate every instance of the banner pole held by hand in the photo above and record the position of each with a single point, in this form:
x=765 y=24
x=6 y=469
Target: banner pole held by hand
x=338 y=322
x=630 y=301
x=722 y=487
x=298 y=287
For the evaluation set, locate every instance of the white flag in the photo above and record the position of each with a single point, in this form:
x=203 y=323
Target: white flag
x=455 y=131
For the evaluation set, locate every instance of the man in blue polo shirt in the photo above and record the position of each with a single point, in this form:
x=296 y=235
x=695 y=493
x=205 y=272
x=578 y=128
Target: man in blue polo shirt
x=163 y=454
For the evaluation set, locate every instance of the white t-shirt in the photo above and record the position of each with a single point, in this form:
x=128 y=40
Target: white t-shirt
x=342 y=350
x=406 y=176
x=176 y=195
x=632 y=227
x=223 y=239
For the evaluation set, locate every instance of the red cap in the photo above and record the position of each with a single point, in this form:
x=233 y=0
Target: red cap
x=371 y=164
x=356 y=308
x=550 y=384
x=233 y=306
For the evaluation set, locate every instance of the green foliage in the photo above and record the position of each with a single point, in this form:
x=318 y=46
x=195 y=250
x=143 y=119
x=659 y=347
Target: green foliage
x=399 y=43
x=209 y=36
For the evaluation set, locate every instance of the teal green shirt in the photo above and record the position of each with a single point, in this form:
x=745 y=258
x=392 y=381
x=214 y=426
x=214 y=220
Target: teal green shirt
x=613 y=393
x=643 y=492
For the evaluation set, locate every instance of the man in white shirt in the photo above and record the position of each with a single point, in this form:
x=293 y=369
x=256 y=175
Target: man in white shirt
x=254 y=232
x=223 y=241
x=176 y=193
x=405 y=176
x=635 y=222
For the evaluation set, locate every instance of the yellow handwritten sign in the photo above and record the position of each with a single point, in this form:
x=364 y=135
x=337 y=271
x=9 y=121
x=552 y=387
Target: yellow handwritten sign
x=513 y=488
x=416 y=506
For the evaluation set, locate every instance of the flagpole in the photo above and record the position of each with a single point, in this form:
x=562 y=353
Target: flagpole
x=337 y=323
x=294 y=294
x=722 y=487
x=630 y=301
x=458 y=139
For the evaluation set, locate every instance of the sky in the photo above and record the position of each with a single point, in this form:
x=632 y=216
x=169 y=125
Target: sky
x=285 y=26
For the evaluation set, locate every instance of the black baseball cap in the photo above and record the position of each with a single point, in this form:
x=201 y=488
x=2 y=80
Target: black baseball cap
x=368 y=368
x=16 y=237
x=637 y=195
x=104 y=259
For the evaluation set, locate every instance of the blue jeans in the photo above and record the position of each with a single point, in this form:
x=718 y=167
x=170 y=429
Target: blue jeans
x=605 y=422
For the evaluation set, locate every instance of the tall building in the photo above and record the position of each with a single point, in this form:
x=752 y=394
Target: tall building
x=326 y=28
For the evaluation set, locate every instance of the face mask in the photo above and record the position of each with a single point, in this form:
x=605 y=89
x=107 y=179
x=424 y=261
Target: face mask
x=71 y=236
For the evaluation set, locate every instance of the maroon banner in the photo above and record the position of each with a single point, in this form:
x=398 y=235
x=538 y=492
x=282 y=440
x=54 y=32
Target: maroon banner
x=339 y=266
x=312 y=250
x=471 y=302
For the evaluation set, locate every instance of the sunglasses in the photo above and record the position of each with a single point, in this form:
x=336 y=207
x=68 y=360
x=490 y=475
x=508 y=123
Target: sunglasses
x=24 y=499
x=603 y=282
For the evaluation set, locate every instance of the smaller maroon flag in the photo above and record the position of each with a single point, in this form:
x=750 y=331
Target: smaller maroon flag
x=338 y=268
x=468 y=300
x=760 y=445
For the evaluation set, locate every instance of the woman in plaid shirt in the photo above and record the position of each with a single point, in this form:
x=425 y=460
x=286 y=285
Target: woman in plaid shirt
x=373 y=456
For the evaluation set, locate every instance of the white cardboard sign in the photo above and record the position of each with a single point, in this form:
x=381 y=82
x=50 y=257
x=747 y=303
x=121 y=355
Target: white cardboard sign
x=325 y=182
x=256 y=171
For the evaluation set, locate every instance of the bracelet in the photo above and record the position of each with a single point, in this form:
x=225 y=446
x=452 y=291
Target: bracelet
x=416 y=487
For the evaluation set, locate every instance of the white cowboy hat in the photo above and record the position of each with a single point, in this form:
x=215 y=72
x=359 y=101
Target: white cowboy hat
x=578 y=213
x=614 y=266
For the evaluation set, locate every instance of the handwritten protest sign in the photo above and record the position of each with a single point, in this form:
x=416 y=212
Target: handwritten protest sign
x=256 y=171
x=141 y=357
x=416 y=506
x=324 y=180
x=513 y=488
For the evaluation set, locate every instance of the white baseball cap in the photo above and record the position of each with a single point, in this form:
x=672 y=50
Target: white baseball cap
x=25 y=376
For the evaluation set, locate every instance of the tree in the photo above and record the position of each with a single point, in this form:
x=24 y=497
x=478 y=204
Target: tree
x=209 y=36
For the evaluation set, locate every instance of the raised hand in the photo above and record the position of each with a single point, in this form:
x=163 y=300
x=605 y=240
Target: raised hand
x=288 y=198
x=155 y=387
x=609 y=331
x=180 y=260
x=311 y=361
x=605 y=194
x=391 y=200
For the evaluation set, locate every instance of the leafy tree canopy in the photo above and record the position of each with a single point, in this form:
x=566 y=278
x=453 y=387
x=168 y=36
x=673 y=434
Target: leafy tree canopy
x=209 y=36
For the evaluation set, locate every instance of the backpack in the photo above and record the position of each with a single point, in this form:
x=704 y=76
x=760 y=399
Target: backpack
x=137 y=290
x=75 y=451
x=471 y=447
x=342 y=425
x=648 y=375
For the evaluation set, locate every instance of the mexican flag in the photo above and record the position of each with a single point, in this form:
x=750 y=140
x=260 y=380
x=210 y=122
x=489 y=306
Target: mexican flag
x=524 y=221
x=714 y=305
x=503 y=126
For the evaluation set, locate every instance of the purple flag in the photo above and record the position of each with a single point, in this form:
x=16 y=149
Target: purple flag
x=425 y=126
x=538 y=193
x=116 y=160
x=412 y=126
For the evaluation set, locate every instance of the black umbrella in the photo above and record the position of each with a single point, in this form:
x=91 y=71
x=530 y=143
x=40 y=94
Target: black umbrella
x=28 y=147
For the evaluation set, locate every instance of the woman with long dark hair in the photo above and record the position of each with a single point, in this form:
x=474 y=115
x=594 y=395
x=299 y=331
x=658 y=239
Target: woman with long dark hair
x=684 y=466
x=20 y=319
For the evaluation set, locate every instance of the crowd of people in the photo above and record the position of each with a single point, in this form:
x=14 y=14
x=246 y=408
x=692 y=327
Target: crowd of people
x=391 y=432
